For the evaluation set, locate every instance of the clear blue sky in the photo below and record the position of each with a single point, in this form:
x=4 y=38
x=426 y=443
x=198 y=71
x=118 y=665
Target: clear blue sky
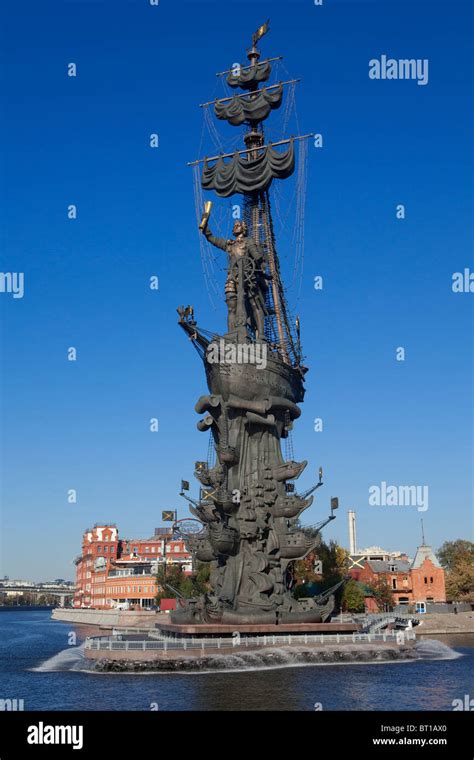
x=387 y=283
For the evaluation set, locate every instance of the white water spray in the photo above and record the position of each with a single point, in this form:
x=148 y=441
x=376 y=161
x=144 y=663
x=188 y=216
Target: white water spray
x=72 y=658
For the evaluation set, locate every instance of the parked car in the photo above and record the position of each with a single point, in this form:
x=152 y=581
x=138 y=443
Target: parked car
x=122 y=606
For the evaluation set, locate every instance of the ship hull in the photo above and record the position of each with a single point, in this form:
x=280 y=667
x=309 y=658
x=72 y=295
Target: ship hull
x=251 y=382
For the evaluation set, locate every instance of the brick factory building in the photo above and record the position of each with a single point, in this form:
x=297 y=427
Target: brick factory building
x=111 y=571
x=417 y=582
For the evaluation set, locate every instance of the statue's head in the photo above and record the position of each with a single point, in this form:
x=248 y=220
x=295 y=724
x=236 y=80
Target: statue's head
x=240 y=228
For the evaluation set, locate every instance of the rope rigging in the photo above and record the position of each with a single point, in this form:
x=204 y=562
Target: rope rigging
x=286 y=197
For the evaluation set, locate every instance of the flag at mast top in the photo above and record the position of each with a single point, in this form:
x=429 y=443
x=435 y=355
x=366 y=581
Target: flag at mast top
x=261 y=31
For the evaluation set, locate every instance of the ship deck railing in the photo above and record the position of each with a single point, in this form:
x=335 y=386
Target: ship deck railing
x=118 y=643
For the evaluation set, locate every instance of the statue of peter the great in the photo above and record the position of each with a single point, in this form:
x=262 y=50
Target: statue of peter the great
x=254 y=277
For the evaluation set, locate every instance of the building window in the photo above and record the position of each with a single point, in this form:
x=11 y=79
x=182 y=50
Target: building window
x=431 y=579
x=106 y=548
x=394 y=583
x=135 y=549
x=112 y=549
x=426 y=579
x=99 y=548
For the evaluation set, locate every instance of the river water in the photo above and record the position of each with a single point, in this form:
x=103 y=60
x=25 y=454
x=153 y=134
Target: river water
x=39 y=665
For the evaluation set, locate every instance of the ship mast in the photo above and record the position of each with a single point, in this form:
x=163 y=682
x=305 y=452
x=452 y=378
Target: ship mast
x=259 y=164
x=260 y=206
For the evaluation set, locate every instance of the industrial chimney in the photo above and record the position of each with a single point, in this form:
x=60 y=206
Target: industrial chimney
x=351 y=515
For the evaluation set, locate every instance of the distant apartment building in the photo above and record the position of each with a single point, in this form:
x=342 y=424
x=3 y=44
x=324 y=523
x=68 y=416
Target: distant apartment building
x=112 y=571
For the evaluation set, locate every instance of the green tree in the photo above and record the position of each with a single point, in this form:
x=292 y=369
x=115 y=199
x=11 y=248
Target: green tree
x=333 y=559
x=460 y=583
x=453 y=552
x=175 y=583
x=186 y=587
x=202 y=577
x=164 y=577
x=353 y=597
x=457 y=558
x=382 y=594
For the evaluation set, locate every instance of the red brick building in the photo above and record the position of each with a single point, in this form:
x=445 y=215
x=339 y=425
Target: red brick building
x=100 y=547
x=428 y=577
x=112 y=571
x=417 y=582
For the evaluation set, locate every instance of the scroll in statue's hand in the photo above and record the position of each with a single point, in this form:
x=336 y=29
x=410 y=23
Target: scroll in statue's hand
x=205 y=216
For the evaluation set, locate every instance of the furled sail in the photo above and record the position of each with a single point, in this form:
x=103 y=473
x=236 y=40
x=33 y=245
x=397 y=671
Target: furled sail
x=248 y=175
x=249 y=76
x=254 y=109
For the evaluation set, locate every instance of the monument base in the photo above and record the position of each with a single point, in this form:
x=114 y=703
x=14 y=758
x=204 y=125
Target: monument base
x=283 y=629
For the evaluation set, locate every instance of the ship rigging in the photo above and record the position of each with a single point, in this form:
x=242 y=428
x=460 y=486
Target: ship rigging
x=250 y=172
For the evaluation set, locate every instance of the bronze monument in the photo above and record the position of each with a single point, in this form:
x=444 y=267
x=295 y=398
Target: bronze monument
x=246 y=517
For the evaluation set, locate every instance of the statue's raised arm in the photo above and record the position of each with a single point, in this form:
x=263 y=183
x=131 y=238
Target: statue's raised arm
x=219 y=242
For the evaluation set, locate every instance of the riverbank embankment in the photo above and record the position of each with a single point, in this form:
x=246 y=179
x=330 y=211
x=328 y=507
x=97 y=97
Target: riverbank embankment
x=110 y=618
x=433 y=623
x=234 y=658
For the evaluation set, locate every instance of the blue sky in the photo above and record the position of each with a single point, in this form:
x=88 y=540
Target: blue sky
x=387 y=282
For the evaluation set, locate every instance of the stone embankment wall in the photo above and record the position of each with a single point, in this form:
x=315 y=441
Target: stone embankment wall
x=238 y=657
x=437 y=623
x=109 y=618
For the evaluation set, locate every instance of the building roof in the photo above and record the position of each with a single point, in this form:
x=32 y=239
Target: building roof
x=425 y=552
x=400 y=565
x=374 y=553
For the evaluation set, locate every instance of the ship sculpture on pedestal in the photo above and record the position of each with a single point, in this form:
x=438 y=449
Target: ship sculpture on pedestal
x=246 y=517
